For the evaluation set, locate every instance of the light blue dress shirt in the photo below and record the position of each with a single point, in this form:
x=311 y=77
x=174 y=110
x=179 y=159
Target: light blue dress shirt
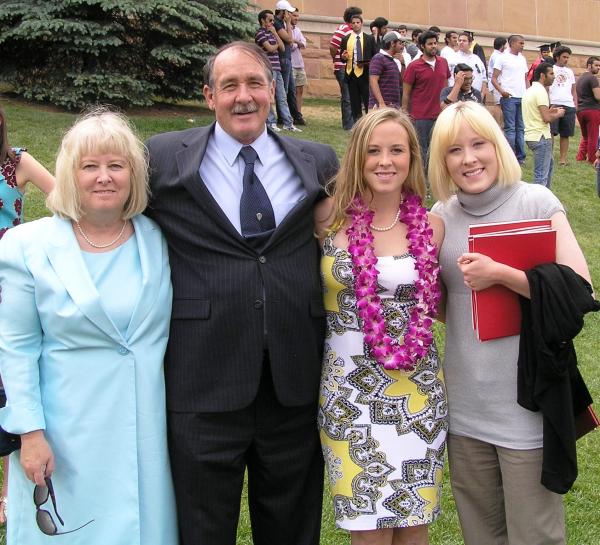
x=222 y=170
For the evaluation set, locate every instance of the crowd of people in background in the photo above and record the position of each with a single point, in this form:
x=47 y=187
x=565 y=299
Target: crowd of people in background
x=423 y=76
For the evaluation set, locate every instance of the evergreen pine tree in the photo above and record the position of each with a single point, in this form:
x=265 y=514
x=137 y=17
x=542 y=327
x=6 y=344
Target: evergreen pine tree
x=126 y=52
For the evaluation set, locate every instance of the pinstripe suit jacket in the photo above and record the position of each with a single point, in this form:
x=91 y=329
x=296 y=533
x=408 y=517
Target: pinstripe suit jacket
x=225 y=293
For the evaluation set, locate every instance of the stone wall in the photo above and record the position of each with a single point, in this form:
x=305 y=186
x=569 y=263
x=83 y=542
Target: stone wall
x=574 y=23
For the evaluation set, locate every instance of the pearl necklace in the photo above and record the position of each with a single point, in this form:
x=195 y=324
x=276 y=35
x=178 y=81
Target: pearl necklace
x=389 y=227
x=101 y=246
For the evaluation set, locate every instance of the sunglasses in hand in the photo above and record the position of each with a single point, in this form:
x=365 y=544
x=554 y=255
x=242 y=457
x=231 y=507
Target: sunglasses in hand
x=43 y=518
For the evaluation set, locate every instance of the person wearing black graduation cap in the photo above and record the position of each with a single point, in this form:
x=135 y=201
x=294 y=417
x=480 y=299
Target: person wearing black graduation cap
x=545 y=56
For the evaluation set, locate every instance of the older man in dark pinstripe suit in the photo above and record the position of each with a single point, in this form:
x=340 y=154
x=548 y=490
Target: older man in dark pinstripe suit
x=235 y=201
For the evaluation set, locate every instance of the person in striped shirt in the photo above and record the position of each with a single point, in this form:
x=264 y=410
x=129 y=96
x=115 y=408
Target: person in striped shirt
x=339 y=66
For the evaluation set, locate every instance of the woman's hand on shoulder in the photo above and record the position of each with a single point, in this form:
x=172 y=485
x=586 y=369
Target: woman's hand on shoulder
x=323 y=217
x=37 y=459
x=568 y=251
x=31 y=170
x=437 y=224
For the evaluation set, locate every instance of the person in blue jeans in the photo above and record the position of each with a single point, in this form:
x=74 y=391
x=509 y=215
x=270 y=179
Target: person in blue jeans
x=283 y=26
x=339 y=66
x=269 y=41
x=512 y=66
x=537 y=115
x=514 y=128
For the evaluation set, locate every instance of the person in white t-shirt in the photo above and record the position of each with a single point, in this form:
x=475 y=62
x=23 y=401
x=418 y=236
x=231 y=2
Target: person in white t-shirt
x=512 y=66
x=562 y=93
x=449 y=52
x=465 y=56
x=493 y=102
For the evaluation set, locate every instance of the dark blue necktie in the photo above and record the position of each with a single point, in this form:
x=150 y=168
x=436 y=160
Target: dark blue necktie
x=358 y=50
x=257 y=219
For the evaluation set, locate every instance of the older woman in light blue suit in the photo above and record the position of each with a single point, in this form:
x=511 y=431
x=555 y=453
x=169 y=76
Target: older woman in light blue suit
x=84 y=318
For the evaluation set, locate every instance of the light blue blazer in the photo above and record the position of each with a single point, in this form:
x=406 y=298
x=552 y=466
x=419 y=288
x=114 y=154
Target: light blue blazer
x=98 y=395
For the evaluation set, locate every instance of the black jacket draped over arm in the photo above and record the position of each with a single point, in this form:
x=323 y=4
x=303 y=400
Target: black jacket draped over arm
x=548 y=377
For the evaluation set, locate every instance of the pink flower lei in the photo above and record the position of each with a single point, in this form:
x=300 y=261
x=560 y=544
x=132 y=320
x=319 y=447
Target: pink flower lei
x=389 y=352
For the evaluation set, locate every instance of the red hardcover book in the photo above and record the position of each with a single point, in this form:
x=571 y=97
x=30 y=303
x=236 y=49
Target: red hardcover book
x=503 y=227
x=496 y=310
x=586 y=422
x=509 y=226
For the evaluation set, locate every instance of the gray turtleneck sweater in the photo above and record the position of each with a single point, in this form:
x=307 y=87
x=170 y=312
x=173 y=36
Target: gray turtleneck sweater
x=481 y=377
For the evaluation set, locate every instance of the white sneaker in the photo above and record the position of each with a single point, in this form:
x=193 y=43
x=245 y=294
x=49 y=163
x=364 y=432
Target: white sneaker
x=291 y=128
x=274 y=127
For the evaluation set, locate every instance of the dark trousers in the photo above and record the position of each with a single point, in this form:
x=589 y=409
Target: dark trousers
x=280 y=448
x=424 y=128
x=347 y=120
x=359 y=93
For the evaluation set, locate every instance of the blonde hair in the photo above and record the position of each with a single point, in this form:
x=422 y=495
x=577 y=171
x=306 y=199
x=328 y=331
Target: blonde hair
x=97 y=132
x=349 y=180
x=446 y=130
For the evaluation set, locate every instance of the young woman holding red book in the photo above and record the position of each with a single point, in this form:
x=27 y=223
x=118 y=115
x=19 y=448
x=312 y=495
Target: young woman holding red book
x=494 y=444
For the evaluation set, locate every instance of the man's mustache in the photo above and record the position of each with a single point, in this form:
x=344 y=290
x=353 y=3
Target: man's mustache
x=245 y=108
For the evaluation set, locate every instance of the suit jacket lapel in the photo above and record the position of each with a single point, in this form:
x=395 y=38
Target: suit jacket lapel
x=305 y=166
x=65 y=257
x=150 y=249
x=188 y=163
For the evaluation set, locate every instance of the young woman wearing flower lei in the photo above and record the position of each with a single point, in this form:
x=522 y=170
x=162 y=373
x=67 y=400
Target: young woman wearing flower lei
x=382 y=412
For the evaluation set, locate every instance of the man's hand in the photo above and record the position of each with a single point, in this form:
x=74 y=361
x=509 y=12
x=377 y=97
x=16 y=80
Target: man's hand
x=459 y=79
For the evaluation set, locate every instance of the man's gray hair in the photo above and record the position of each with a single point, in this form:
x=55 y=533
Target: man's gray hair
x=250 y=49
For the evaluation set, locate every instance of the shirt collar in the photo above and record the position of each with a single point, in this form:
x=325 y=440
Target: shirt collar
x=384 y=52
x=230 y=147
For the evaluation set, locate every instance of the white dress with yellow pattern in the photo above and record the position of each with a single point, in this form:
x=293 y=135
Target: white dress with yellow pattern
x=383 y=432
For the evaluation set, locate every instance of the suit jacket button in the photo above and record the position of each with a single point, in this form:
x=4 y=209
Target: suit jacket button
x=262 y=259
x=258 y=304
x=123 y=351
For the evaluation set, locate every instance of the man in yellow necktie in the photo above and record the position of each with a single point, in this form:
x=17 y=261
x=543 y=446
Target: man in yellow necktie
x=357 y=49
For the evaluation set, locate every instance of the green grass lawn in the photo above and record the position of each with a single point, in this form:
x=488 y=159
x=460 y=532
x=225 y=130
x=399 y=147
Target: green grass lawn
x=40 y=130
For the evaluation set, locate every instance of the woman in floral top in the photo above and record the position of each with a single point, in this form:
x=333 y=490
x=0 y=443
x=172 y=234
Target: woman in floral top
x=17 y=168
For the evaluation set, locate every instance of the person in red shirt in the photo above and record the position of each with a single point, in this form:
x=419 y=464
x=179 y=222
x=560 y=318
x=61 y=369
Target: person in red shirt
x=339 y=66
x=423 y=82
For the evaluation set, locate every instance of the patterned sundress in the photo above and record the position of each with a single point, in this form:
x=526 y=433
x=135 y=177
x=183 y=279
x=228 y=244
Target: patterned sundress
x=383 y=432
